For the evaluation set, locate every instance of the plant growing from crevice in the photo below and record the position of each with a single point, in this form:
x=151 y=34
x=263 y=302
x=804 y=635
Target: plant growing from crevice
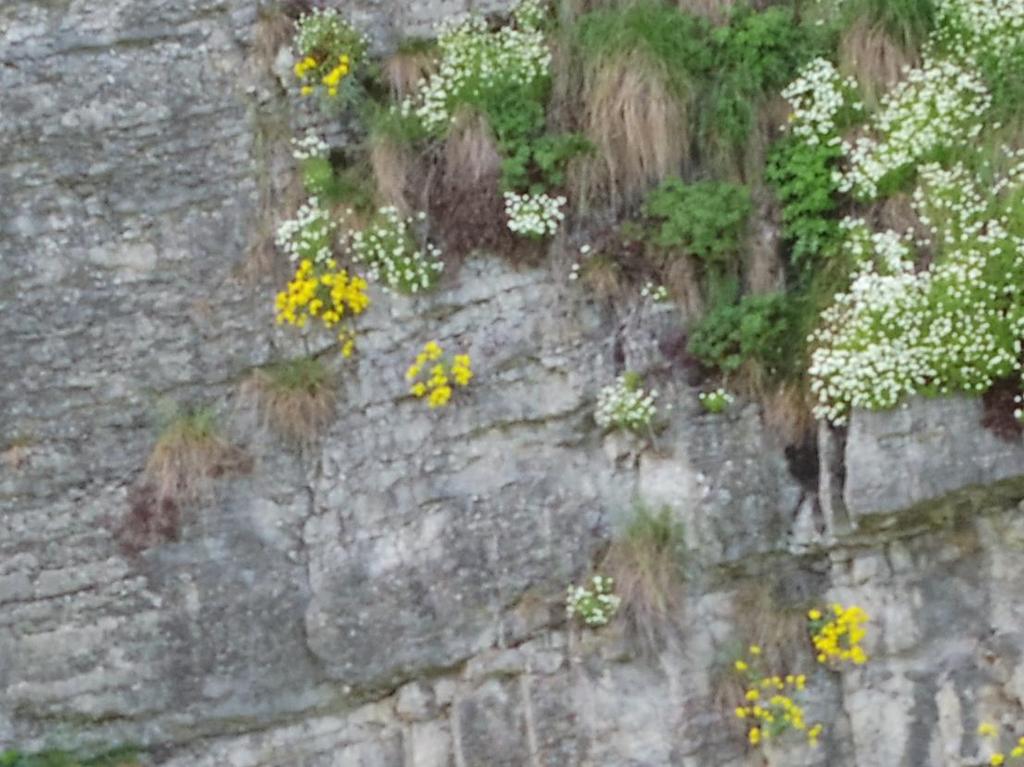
x=646 y=561
x=189 y=453
x=638 y=72
x=292 y=398
x=626 y=405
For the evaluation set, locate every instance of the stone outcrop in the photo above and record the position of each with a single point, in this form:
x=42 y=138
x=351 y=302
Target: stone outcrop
x=392 y=596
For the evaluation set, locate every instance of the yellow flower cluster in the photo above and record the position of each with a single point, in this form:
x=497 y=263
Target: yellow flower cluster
x=437 y=388
x=987 y=730
x=837 y=636
x=768 y=704
x=326 y=293
x=331 y=80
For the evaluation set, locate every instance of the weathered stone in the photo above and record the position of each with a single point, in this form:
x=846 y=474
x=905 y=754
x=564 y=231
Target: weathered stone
x=899 y=459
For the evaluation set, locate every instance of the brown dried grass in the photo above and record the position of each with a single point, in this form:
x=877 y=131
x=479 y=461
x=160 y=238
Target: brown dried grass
x=393 y=165
x=646 y=563
x=187 y=456
x=294 y=400
x=273 y=31
x=681 y=276
x=404 y=70
x=787 y=413
x=873 y=58
x=462 y=190
x=639 y=126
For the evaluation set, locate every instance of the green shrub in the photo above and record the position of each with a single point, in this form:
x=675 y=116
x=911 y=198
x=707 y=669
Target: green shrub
x=707 y=219
x=119 y=757
x=802 y=175
x=758 y=329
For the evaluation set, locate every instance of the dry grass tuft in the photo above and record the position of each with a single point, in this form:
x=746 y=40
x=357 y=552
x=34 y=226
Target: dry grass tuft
x=463 y=190
x=681 y=276
x=869 y=54
x=639 y=125
x=294 y=399
x=404 y=70
x=274 y=31
x=187 y=456
x=646 y=562
x=393 y=165
x=787 y=413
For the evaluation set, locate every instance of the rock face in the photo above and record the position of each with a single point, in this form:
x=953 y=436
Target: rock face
x=392 y=596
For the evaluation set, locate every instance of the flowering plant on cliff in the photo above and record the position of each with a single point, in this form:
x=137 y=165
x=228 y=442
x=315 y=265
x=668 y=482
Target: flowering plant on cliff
x=327 y=49
x=770 y=704
x=595 y=604
x=476 y=63
x=837 y=634
x=625 y=404
x=436 y=388
x=1002 y=756
x=534 y=215
x=389 y=251
x=326 y=294
x=715 y=401
x=308 y=236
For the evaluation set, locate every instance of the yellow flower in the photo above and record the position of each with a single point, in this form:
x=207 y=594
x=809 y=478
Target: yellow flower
x=752 y=694
x=439 y=397
x=741 y=712
x=755 y=650
x=741 y=666
x=348 y=348
x=419 y=389
x=433 y=350
x=987 y=730
x=1017 y=752
x=996 y=759
x=754 y=736
x=306 y=90
x=412 y=372
x=814 y=615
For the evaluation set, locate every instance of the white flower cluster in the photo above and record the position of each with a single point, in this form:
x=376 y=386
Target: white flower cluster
x=310 y=147
x=967 y=26
x=595 y=605
x=656 y=292
x=475 y=60
x=957 y=326
x=625 y=405
x=534 y=215
x=940 y=104
x=389 y=252
x=310 y=235
x=715 y=401
x=321 y=24
x=817 y=96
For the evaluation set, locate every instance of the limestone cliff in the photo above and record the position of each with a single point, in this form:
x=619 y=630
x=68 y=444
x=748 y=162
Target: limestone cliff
x=394 y=596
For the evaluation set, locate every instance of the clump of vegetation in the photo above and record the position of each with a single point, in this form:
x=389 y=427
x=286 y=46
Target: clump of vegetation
x=646 y=560
x=437 y=388
x=328 y=48
x=188 y=454
x=638 y=87
x=837 y=634
x=594 y=604
x=293 y=398
x=625 y=404
x=770 y=706
x=715 y=401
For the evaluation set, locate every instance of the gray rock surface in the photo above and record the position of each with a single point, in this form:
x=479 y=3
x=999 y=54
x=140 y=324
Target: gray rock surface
x=922 y=451
x=392 y=596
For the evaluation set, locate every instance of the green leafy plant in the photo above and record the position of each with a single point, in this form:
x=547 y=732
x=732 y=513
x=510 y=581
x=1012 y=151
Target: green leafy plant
x=803 y=176
x=907 y=22
x=120 y=757
x=758 y=329
x=707 y=220
x=294 y=398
